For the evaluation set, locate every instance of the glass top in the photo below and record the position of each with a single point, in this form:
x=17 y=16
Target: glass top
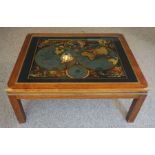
x=76 y=59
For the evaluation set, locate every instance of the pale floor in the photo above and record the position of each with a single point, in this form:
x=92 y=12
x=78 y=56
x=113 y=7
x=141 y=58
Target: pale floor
x=78 y=113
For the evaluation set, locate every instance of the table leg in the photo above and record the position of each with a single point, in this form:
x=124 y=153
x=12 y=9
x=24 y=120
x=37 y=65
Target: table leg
x=134 y=108
x=18 y=109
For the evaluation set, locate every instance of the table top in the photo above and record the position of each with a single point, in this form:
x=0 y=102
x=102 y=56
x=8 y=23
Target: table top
x=65 y=61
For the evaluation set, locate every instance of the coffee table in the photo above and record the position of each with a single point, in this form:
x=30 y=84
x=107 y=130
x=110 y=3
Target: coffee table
x=76 y=66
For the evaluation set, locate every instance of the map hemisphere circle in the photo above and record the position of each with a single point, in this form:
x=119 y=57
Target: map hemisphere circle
x=46 y=58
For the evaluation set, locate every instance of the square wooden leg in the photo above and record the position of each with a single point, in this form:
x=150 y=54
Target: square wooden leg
x=18 y=109
x=135 y=108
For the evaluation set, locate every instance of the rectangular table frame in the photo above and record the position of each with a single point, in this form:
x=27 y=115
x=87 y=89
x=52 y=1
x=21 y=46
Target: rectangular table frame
x=17 y=91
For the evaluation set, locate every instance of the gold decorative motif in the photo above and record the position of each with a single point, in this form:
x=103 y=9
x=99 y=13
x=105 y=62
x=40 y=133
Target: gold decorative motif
x=90 y=56
x=116 y=71
x=59 y=50
x=82 y=43
x=100 y=51
x=66 y=57
x=114 y=61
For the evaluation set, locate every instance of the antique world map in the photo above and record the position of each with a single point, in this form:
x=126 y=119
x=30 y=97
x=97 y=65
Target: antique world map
x=75 y=59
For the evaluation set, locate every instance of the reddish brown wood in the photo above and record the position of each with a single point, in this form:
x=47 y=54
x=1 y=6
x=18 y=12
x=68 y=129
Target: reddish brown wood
x=18 y=109
x=135 y=108
x=17 y=91
x=141 y=85
x=77 y=96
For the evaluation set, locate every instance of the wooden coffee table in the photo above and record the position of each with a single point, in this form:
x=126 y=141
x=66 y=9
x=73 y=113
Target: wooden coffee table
x=76 y=66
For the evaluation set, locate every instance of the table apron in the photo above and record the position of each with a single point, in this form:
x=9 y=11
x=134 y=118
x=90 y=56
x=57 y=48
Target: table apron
x=75 y=95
